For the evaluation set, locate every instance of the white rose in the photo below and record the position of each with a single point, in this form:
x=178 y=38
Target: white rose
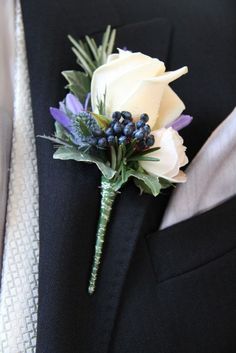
x=171 y=154
x=139 y=84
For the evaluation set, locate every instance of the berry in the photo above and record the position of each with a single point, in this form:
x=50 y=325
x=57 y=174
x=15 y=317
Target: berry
x=144 y=117
x=142 y=145
x=128 y=130
x=117 y=128
x=111 y=140
x=122 y=139
x=126 y=121
x=147 y=129
x=140 y=123
x=91 y=140
x=150 y=141
x=126 y=115
x=102 y=142
x=97 y=132
x=109 y=131
x=116 y=116
x=139 y=135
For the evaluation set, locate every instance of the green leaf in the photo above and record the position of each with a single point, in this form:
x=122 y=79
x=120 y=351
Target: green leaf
x=81 y=52
x=113 y=157
x=105 y=39
x=78 y=83
x=119 y=155
x=141 y=158
x=147 y=183
x=56 y=140
x=89 y=55
x=150 y=150
x=66 y=153
x=142 y=187
x=111 y=42
x=93 y=46
x=60 y=132
x=165 y=183
x=102 y=120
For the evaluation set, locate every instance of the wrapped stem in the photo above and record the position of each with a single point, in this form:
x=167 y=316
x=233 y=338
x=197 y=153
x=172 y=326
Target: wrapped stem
x=108 y=196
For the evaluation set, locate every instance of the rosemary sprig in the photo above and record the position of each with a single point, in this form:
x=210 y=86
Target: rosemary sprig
x=89 y=55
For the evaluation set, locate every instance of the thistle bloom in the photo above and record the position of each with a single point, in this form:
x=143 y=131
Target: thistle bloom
x=68 y=110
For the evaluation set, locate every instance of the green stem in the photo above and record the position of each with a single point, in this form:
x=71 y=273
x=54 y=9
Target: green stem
x=108 y=196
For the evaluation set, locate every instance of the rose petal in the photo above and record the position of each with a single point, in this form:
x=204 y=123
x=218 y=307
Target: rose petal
x=116 y=97
x=145 y=99
x=171 y=106
x=171 y=154
x=111 y=71
x=180 y=178
x=170 y=76
x=167 y=154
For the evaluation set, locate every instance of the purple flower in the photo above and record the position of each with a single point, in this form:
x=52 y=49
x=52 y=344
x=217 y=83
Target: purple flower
x=181 y=122
x=73 y=104
x=67 y=113
x=69 y=107
x=60 y=116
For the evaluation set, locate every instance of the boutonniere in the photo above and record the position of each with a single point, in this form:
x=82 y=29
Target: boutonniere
x=121 y=114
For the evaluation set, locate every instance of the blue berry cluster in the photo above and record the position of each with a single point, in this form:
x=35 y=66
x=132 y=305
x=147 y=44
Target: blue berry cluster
x=122 y=130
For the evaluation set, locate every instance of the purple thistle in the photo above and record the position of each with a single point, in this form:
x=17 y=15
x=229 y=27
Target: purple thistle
x=70 y=105
x=181 y=122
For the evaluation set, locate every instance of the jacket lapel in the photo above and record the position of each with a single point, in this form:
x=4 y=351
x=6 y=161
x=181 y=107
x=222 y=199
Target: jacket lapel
x=68 y=317
x=194 y=242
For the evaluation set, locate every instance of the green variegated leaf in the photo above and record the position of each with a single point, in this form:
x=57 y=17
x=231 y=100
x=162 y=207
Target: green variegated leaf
x=165 y=183
x=78 y=83
x=60 y=132
x=66 y=153
x=142 y=187
x=147 y=183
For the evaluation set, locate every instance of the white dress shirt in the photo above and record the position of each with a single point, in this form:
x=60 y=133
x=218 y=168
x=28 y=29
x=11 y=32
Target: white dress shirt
x=7 y=43
x=211 y=176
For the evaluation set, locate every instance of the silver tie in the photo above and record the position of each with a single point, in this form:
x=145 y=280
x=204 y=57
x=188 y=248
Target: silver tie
x=19 y=283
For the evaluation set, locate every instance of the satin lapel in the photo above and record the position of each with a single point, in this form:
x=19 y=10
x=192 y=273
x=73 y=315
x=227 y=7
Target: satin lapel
x=128 y=215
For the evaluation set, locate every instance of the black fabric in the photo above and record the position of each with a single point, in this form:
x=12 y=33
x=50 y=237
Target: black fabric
x=203 y=38
x=155 y=293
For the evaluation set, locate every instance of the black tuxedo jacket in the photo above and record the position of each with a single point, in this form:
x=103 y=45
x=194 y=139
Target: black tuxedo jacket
x=169 y=291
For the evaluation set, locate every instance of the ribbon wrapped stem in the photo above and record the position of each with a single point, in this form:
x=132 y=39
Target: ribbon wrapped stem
x=108 y=195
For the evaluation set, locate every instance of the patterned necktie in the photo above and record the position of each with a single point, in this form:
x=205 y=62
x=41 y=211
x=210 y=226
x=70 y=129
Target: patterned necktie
x=19 y=283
